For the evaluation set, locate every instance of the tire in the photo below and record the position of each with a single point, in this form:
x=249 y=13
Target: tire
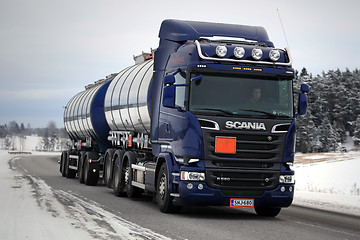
x=81 y=167
x=90 y=177
x=163 y=198
x=267 y=212
x=62 y=163
x=118 y=181
x=69 y=173
x=108 y=168
x=128 y=159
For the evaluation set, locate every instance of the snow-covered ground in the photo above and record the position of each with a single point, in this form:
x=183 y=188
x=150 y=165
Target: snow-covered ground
x=329 y=181
x=31 y=209
x=21 y=216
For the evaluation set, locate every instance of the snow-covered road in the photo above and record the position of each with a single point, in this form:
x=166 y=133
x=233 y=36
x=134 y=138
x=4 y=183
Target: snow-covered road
x=31 y=209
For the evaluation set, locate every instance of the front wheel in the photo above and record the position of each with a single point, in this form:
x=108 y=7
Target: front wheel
x=267 y=212
x=163 y=198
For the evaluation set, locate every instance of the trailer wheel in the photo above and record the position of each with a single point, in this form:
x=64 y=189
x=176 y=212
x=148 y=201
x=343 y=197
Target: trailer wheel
x=69 y=173
x=91 y=170
x=108 y=168
x=128 y=159
x=163 y=198
x=81 y=167
x=118 y=181
x=62 y=163
x=267 y=212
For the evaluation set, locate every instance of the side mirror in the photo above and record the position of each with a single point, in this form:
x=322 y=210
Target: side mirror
x=305 y=88
x=169 y=79
x=302 y=107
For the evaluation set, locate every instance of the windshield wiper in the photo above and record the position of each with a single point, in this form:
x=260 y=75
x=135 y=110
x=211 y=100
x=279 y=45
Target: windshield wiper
x=217 y=110
x=258 y=111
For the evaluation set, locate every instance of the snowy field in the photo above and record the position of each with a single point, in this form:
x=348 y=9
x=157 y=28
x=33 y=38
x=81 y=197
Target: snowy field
x=329 y=181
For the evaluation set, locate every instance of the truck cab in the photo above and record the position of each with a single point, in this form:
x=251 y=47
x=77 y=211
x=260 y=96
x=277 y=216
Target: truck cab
x=226 y=118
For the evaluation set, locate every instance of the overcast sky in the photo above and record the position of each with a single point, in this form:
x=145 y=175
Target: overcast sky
x=51 y=49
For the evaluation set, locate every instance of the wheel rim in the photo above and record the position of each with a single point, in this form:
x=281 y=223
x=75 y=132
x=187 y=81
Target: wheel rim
x=162 y=186
x=126 y=175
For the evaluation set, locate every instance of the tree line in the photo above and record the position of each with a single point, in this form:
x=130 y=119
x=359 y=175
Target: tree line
x=333 y=110
x=51 y=136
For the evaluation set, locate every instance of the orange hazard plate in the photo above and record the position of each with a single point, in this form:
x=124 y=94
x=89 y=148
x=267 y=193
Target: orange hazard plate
x=241 y=202
x=225 y=145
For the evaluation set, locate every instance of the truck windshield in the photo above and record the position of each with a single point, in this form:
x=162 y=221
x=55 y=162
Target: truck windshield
x=216 y=94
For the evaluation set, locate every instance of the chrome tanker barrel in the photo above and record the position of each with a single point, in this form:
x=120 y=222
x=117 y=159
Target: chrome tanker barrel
x=128 y=99
x=84 y=115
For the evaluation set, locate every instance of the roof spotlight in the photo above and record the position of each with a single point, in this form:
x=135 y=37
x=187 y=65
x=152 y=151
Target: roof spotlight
x=221 y=51
x=256 y=53
x=239 y=52
x=274 y=55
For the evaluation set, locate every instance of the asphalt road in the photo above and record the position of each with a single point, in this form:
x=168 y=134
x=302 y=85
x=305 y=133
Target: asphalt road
x=295 y=222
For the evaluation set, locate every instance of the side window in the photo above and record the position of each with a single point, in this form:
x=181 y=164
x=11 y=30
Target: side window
x=180 y=78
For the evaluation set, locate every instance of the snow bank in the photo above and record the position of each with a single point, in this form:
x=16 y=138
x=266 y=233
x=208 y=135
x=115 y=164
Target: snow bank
x=21 y=217
x=31 y=209
x=329 y=181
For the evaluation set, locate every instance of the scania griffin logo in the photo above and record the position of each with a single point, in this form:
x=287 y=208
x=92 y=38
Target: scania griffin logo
x=245 y=125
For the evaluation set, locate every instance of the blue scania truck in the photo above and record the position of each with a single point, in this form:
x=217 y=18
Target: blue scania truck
x=207 y=118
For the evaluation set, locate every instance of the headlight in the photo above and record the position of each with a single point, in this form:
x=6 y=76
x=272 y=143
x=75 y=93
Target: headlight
x=256 y=53
x=192 y=176
x=221 y=51
x=239 y=52
x=287 y=179
x=274 y=55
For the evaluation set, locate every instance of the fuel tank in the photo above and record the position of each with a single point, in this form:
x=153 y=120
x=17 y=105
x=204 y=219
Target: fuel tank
x=120 y=102
x=128 y=99
x=84 y=114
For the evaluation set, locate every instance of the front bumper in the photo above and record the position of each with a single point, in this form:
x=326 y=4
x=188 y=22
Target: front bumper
x=206 y=196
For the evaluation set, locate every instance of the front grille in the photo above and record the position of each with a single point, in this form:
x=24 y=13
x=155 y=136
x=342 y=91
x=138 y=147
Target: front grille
x=254 y=168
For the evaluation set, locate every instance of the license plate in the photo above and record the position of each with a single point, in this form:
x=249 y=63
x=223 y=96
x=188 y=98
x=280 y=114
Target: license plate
x=241 y=202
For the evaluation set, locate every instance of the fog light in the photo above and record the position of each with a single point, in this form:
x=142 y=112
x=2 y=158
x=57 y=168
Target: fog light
x=221 y=51
x=189 y=186
x=274 y=55
x=287 y=179
x=282 y=189
x=239 y=52
x=200 y=186
x=94 y=170
x=290 y=189
x=256 y=53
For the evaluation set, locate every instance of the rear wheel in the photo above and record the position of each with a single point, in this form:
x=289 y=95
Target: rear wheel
x=62 y=163
x=163 y=198
x=267 y=212
x=108 y=168
x=128 y=159
x=69 y=173
x=118 y=177
x=81 y=167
